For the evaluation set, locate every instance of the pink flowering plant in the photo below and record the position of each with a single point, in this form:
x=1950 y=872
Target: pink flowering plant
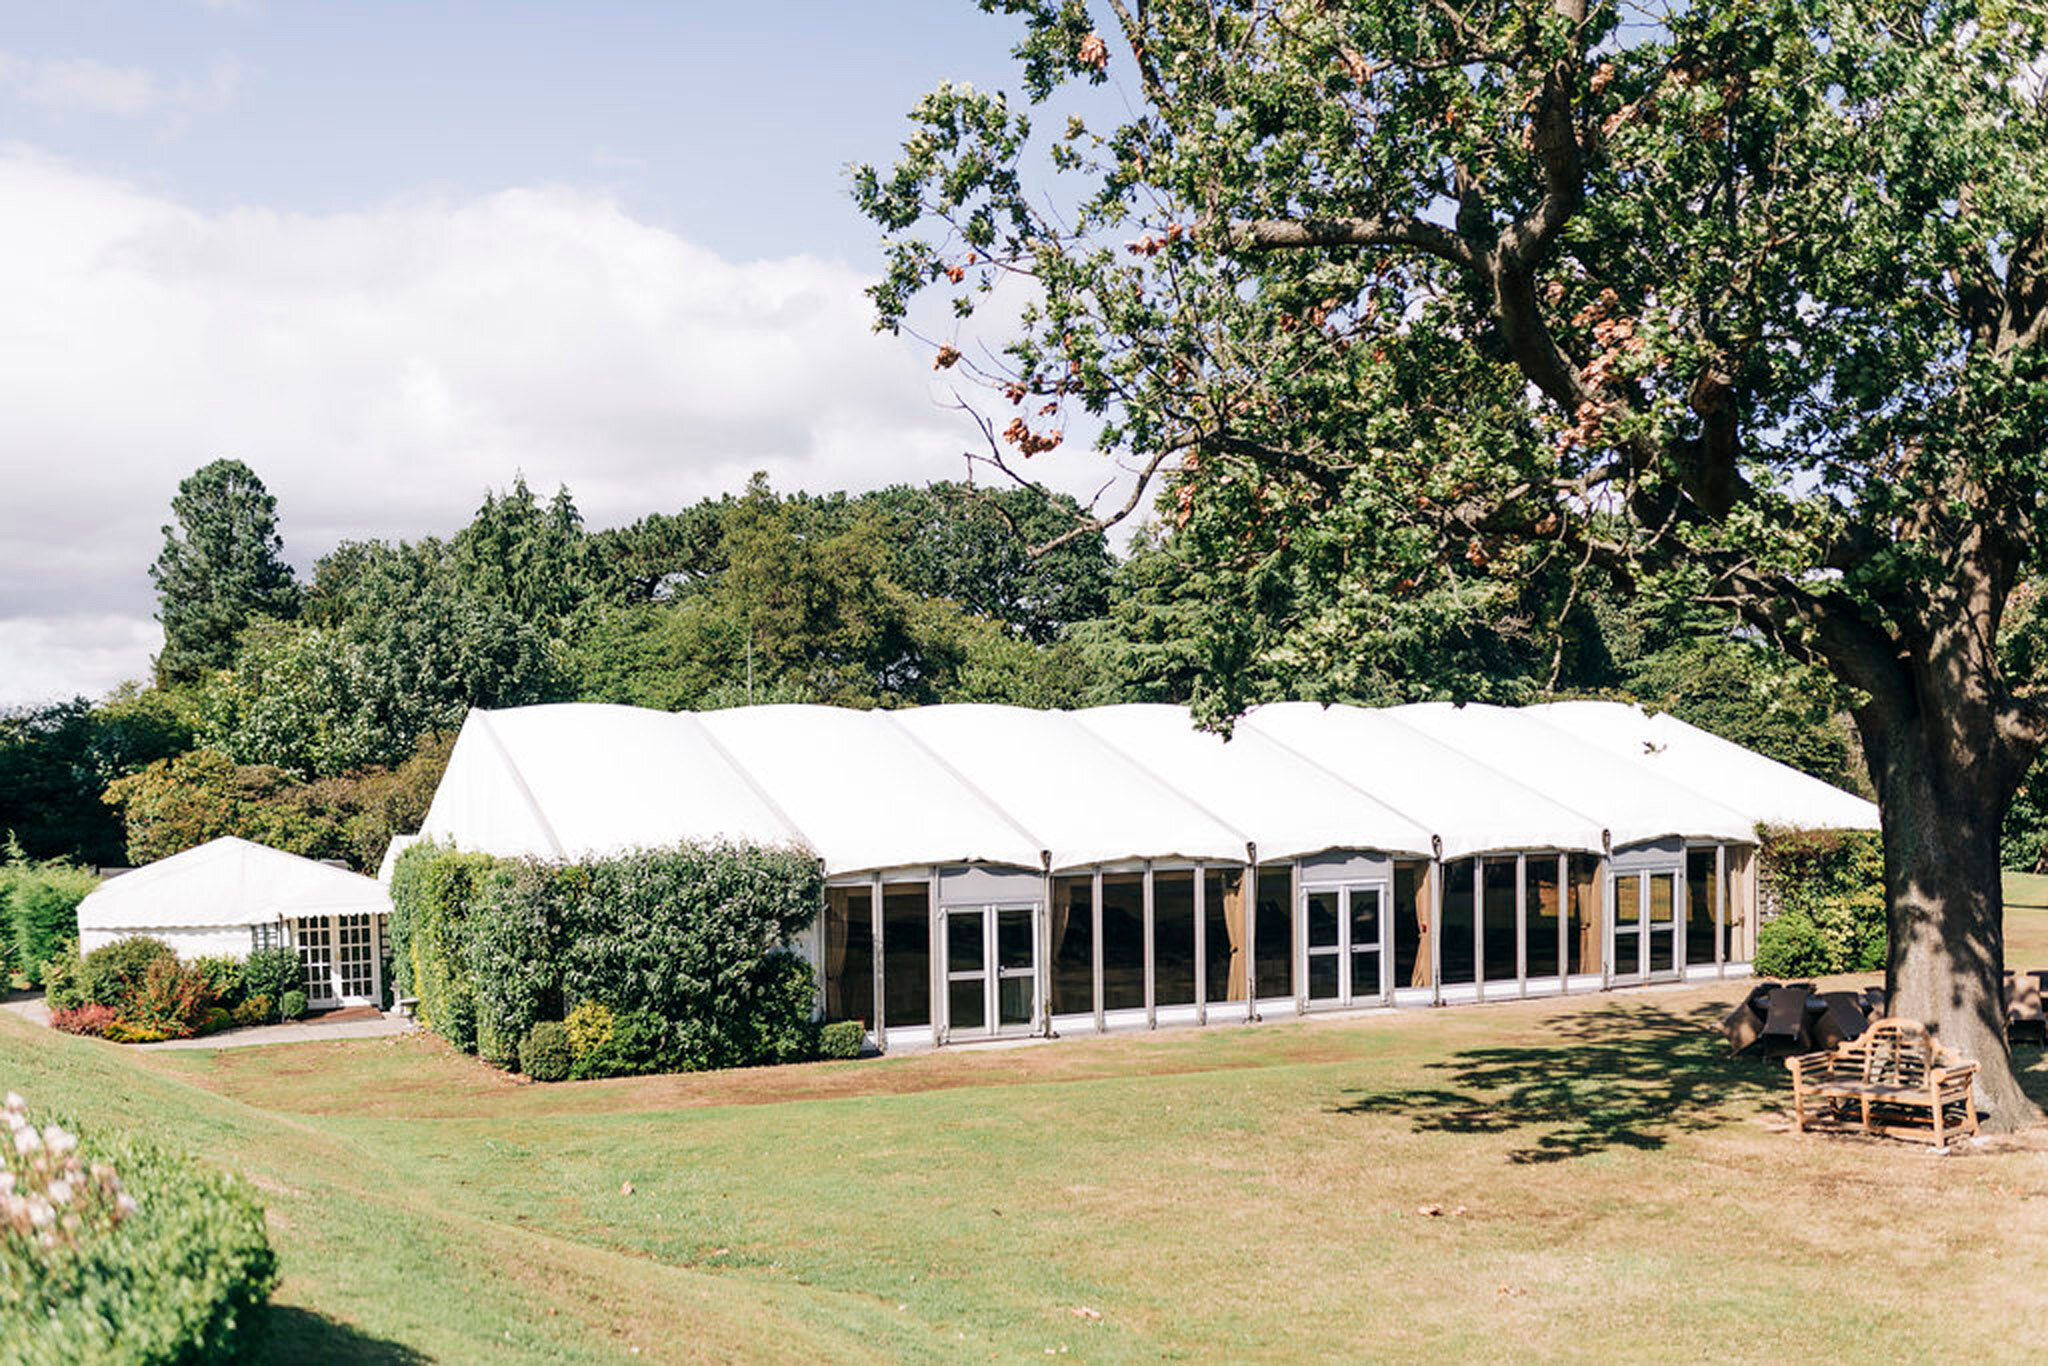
x=50 y=1196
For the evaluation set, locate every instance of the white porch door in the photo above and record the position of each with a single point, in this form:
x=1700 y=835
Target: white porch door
x=338 y=954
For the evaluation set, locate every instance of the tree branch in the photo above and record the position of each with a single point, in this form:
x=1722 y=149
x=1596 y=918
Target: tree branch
x=1284 y=234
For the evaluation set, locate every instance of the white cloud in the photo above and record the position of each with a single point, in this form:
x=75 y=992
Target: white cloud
x=86 y=86
x=380 y=369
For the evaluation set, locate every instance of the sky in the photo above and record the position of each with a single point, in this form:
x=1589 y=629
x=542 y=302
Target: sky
x=391 y=256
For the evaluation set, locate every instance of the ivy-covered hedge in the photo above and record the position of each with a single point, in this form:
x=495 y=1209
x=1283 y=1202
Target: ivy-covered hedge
x=1831 y=910
x=682 y=947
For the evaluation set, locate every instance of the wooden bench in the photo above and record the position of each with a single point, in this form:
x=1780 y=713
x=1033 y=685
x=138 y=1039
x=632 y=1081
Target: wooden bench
x=1892 y=1067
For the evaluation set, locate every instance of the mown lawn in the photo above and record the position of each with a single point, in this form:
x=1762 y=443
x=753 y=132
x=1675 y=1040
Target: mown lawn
x=1610 y=1185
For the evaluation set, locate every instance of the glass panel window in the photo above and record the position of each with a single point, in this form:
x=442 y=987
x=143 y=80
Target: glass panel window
x=1223 y=912
x=1073 y=945
x=963 y=941
x=1365 y=942
x=906 y=954
x=1663 y=909
x=1701 y=896
x=849 y=954
x=1173 y=936
x=1322 y=977
x=1457 y=921
x=1499 y=889
x=316 y=960
x=1628 y=925
x=967 y=1006
x=1273 y=938
x=1411 y=924
x=265 y=937
x=1322 y=917
x=357 y=959
x=1123 y=941
x=1540 y=890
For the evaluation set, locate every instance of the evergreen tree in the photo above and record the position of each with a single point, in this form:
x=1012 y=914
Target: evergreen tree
x=220 y=567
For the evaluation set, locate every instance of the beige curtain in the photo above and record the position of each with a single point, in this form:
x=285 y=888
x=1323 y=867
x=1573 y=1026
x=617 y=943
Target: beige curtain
x=1233 y=923
x=1419 y=976
x=1586 y=891
x=1062 y=905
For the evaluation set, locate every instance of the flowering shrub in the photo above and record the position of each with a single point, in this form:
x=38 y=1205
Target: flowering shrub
x=86 y=1019
x=173 y=997
x=128 y=1253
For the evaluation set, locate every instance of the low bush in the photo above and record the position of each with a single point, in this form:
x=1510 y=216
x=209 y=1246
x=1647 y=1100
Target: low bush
x=841 y=1039
x=131 y=1031
x=292 y=1005
x=545 y=1053
x=172 y=998
x=112 y=974
x=84 y=1019
x=590 y=1029
x=217 y=1020
x=223 y=979
x=271 y=973
x=123 y=1252
x=255 y=1010
x=63 y=979
x=39 y=906
x=1791 y=945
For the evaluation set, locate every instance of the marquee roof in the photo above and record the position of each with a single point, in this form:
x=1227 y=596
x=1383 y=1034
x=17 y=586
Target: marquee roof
x=871 y=790
x=227 y=882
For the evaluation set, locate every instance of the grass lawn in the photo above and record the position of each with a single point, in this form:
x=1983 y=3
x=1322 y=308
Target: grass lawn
x=1610 y=1186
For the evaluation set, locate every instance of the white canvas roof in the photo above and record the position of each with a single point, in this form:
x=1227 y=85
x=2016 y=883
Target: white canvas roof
x=227 y=882
x=1765 y=791
x=1288 y=807
x=1004 y=785
x=1636 y=803
x=864 y=794
x=1086 y=801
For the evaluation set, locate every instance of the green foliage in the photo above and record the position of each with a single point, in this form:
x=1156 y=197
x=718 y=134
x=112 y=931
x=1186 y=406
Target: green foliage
x=112 y=974
x=55 y=760
x=685 y=939
x=224 y=976
x=172 y=997
x=292 y=1005
x=841 y=1039
x=169 y=1262
x=220 y=568
x=546 y=1054
x=1831 y=905
x=267 y=974
x=39 y=907
x=255 y=1010
x=64 y=978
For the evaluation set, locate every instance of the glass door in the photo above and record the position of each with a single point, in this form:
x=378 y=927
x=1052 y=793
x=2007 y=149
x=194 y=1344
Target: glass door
x=316 y=960
x=1625 y=942
x=1661 y=905
x=357 y=959
x=1644 y=942
x=1343 y=928
x=991 y=971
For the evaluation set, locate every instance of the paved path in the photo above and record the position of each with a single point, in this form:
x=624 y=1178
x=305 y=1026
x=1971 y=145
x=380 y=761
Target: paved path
x=32 y=1009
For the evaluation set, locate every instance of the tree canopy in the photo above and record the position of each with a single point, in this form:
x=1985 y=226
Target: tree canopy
x=1427 y=305
x=221 y=566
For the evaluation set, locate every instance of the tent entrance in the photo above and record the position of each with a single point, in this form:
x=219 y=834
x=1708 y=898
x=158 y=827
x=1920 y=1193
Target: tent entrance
x=338 y=954
x=1344 y=940
x=991 y=971
x=1643 y=937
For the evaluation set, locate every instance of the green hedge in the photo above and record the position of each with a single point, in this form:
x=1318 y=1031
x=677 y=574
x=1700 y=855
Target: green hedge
x=1831 y=908
x=683 y=944
x=39 y=908
x=178 y=1275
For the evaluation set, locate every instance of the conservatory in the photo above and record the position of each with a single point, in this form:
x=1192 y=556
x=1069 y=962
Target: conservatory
x=995 y=871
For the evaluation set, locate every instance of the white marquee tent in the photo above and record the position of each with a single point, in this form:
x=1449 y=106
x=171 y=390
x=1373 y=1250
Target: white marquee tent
x=1330 y=854
x=228 y=896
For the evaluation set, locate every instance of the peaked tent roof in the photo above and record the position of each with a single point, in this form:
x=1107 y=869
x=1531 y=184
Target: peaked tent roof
x=227 y=882
x=1764 y=790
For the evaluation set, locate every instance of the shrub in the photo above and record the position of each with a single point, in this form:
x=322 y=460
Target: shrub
x=255 y=1010
x=41 y=909
x=545 y=1053
x=216 y=1020
x=156 y=1258
x=84 y=1019
x=841 y=1039
x=172 y=997
x=135 y=1031
x=223 y=976
x=292 y=1005
x=112 y=974
x=590 y=1028
x=63 y=979
x=432 y=892
x=1831 y=916
x=1791 y=945
x=641 y=1042
x=271 y=973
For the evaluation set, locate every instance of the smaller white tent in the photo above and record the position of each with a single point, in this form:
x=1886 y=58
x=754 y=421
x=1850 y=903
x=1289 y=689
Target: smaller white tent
x=205 y=900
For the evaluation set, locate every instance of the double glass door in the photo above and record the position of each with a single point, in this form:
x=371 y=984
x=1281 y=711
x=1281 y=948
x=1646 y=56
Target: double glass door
x=1643 y=946
x=1344 y=940
x=338 y=954
x=991 y=971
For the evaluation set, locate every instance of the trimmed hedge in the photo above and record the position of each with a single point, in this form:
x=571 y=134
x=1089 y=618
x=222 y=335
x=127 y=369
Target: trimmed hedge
x=1831 y=907
x=167 y=1260
x=682 y=947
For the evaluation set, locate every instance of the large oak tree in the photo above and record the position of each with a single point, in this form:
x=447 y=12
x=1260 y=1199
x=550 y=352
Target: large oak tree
x=1741 y=302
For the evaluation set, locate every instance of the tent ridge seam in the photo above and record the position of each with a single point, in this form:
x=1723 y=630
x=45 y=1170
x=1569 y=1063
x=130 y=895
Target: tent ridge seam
x=482 y=718
x=995 y=808
x=796 y=832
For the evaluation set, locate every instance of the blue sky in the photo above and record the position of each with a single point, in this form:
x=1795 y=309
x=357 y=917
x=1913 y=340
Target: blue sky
x=393 y=255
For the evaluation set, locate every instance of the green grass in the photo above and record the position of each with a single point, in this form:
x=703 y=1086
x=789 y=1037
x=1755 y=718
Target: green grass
x=1610 y=1186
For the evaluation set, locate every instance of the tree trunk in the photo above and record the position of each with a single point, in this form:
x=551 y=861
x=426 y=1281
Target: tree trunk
x=1945 y=964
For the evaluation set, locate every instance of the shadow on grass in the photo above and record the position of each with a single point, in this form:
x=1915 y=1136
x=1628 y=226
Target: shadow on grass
x=1625 y=1076
x=288 y=1333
